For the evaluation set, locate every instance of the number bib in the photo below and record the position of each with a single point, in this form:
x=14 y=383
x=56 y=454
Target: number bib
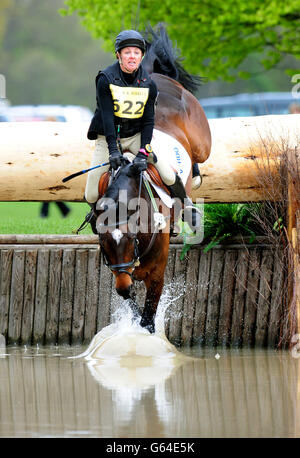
x=129 y=102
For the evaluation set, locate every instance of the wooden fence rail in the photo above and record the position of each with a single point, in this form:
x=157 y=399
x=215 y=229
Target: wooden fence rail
x=55 y=291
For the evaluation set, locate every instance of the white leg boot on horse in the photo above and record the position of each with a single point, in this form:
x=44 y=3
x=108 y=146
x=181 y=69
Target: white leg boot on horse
x=191 y=214
x=197 y=179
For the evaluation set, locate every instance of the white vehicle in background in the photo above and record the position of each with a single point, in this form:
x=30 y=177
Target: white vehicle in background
x=3 y=108
x=58 y=113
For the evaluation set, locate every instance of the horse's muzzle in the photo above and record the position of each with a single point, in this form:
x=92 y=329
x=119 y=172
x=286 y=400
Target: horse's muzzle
x=123 y=284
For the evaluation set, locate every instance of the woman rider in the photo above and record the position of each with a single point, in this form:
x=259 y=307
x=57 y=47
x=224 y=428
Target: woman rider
x=126 y=98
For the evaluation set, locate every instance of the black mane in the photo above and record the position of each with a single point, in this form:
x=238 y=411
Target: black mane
x=164 y=58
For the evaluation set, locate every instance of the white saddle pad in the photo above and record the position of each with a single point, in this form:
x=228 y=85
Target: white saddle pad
x=173 y=152
x=174 y=156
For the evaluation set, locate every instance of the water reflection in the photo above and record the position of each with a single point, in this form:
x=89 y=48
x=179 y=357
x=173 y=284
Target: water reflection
x=244 y=393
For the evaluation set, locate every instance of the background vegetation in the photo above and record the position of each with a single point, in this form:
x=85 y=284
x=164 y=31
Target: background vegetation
x=215 y=37
x=24 y=218
x=48 y=58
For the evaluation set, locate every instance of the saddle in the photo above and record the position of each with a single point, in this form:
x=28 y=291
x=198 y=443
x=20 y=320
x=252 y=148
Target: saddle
x=151 y=171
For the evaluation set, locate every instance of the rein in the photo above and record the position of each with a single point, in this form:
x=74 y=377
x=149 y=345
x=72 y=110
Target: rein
x=135 y=262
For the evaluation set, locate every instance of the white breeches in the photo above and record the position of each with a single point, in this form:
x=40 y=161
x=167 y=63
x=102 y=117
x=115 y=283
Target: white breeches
x=101 y=155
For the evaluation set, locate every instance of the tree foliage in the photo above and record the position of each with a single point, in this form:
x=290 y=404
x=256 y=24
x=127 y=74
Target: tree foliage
x=5 y=5
x=214 y=37
x=46 y=58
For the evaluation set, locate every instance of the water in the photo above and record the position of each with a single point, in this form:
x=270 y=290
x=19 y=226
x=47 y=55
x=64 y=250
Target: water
x=128 y=383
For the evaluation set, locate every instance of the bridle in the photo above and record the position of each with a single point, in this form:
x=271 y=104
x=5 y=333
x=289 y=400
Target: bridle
x=135 y=262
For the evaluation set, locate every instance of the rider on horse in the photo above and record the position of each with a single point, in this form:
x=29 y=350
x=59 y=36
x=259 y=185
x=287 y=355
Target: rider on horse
x=124 y=120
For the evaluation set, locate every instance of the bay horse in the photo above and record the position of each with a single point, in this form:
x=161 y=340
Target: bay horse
x=142 y=254
x=133 y=245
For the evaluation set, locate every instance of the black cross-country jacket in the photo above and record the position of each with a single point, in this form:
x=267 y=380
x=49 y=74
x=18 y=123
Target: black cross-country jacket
x=125 y=100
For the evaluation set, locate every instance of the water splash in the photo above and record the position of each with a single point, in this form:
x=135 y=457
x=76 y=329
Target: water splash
x=124 y=337
x=127 y=358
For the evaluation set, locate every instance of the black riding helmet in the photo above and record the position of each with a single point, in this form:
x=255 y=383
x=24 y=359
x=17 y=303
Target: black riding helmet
x=130 y=38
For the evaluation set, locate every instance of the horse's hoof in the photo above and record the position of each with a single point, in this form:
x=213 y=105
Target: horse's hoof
x=149 y=325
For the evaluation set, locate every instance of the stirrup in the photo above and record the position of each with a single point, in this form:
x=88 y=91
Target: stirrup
x=87 y=220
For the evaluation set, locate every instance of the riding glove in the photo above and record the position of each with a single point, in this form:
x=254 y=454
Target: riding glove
x=139 y=163
x=115 y=158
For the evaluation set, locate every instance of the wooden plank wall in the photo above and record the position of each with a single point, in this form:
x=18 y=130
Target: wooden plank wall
x=64 y=294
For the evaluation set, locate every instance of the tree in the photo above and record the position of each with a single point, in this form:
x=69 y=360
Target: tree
x=214 y=37
x=5 y=5
x=48 y=59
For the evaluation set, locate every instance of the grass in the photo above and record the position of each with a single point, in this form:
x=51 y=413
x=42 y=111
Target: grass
x=24 y=218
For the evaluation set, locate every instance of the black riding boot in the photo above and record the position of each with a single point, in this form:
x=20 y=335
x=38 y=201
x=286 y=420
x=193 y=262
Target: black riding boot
x=191 y=214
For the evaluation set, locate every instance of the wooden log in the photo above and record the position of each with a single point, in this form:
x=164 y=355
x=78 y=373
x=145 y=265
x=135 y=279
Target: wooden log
x=103 y=314
x=5 y=280
x=237 y=323
x=263 y=301
x=16 y=297
x=227 y=298
x=53 y=296
x=34 y=160
x=29 y=294
x=276 y=306
x=190 y=297
x=41 y=294
x=202 y=298
x=48 y=239
x=80 y=281
x=92 y=292
x=66 y=297
x=176 y=308
x=214 y=297
x=59 y=239
x=168 y=286
x=251 y=298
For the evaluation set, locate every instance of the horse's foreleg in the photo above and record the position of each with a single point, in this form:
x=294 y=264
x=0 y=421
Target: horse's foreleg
x=154 y=290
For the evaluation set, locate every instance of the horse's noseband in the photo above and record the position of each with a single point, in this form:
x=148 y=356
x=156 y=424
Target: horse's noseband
x=121 y=268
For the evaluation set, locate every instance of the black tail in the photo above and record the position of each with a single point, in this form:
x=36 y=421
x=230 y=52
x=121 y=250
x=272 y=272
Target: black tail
x=163 y=57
